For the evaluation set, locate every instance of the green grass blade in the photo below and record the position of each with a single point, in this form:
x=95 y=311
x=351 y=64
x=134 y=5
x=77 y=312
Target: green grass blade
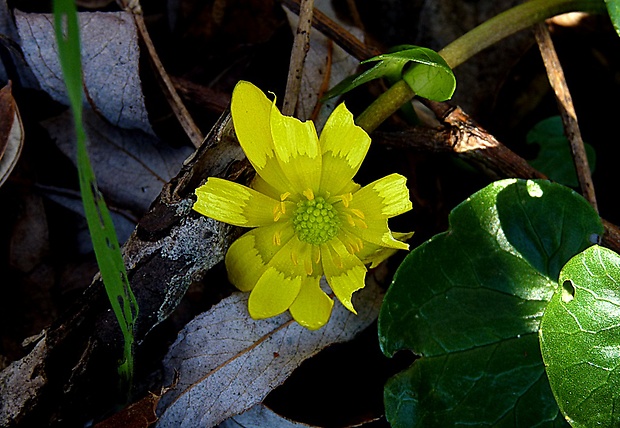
x=103 y=235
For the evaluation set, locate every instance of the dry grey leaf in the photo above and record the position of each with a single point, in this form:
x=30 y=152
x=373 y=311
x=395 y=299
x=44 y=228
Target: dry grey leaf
x=227 y=362
x=326 y=65
x=11 y=133
x=6 y=24
x=260 y=416
x=13 y=66
x=131 y=166
x=124 y=224
x=110 y=58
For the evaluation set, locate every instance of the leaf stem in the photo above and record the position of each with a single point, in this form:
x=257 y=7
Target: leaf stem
x=474 y=41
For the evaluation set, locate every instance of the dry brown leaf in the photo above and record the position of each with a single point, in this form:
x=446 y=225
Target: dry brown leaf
x=11 y=133
x=140 y=414
x=30 y=235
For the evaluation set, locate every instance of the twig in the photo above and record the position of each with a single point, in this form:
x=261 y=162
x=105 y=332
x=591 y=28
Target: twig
x=462 y=136
x=335 y=32
x=486 y=34
x=176 y=104
x=301 y=45
x=567 y=111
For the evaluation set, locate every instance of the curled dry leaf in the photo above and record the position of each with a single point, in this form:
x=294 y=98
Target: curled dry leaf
x=227 y=362
x=11 y=133
x=110 y=57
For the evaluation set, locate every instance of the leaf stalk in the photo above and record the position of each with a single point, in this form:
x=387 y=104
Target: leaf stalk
x=474 y=41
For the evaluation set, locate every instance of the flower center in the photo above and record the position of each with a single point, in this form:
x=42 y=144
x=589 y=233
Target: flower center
x=316 y=221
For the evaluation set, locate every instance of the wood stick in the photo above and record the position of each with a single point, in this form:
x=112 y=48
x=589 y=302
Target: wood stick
x=301 y=45
x=567 y=111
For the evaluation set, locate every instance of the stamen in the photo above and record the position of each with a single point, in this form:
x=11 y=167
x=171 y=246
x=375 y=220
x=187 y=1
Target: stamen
x=361 y=224
x=350 y=220
x=308 y=193
x=337 y=260
x=277 y=238
x=283 y=207
x=277 y=215
x=358 y=213
x=284 y=195
x=346 y=199
x=294 y=258
x=317 y=254
x=308 y=266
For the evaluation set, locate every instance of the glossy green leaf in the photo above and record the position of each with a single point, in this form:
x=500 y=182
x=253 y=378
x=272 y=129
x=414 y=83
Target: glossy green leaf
x=580 y=339
x=469 y=301
x=555 y=158
x=613 y=7
x=430 y=76
x=424 y=70
x=388 y=69
x=100 y=226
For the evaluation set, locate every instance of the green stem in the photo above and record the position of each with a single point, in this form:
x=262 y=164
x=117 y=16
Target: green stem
x=479 y=38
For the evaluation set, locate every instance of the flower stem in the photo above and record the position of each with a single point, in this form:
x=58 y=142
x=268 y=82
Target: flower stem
x=479 y=38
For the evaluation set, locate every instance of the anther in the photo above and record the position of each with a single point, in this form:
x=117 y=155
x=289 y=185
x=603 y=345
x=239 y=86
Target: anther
x=358 y=213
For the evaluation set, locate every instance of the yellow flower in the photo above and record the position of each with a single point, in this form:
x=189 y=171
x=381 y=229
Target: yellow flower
x=309 y=218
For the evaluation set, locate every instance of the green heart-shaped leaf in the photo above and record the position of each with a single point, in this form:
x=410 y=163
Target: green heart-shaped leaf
x=469 y=301
x=580 y=339
x=613 y=7
x=555 y=158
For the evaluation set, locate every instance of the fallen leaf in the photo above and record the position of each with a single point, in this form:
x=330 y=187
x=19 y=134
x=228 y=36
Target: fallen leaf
x=124 y=223
x=140 y=414
x=13 y=66
x=11 y=133
x=261 y=416
x=6 y=24
x=30 y=234
x=131 y=166
x=326 y=65
x=110 y=59
x=227 y=362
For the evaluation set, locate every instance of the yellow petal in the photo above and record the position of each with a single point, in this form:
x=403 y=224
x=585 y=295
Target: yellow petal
x=345 y=272
x=260 y=185
x=383 y=198
x=375 y=254
x=236 y=204
x=248 y=257
x=312 y=307
x=279 y=285
x=374 y=231
x=251 y=112
x=273 y=294
x=344 y=146
x=297 y=150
